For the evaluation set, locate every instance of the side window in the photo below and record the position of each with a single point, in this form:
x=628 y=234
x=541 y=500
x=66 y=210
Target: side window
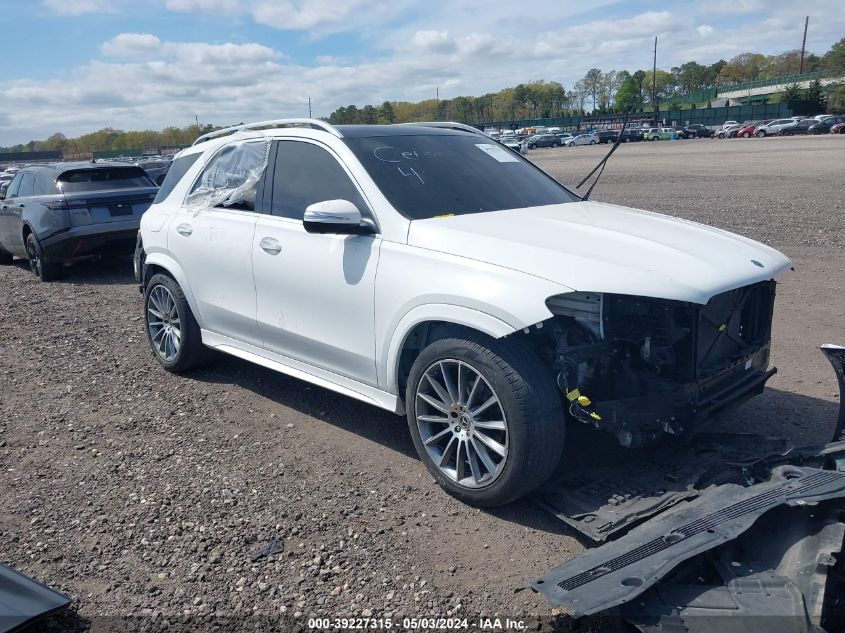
x=306 y=173
x=44 y=185
x=27 y=187
x=232 y=177
x=14 y=186
x=178 y=168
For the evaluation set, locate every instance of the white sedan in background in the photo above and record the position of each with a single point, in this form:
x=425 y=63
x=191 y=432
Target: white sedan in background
x=582 y=139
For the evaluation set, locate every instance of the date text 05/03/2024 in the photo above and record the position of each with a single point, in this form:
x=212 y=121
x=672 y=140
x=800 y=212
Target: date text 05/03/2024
x=423 y=624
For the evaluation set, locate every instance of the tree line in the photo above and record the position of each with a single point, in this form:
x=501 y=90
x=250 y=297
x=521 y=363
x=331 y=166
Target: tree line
x=597 y=92
x=603 y=92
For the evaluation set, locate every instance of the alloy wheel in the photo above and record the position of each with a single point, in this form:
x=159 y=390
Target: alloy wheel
x=164 y=324
x=462 y=423
x=34 y=258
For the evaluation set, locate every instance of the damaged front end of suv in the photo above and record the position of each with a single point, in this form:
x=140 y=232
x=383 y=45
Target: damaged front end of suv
x=640 y=367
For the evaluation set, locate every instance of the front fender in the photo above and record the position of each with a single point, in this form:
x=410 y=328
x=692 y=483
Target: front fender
x=458 y=315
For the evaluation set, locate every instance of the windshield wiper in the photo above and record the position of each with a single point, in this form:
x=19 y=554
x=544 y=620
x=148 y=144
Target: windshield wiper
x=601 y=165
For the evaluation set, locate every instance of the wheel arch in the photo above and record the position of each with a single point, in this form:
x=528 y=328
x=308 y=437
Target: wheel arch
x=160 y=263
x=430 y=322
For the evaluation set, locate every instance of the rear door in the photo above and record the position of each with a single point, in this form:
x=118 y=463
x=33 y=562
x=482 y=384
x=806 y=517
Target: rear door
x=211 y=239
x=315 y=292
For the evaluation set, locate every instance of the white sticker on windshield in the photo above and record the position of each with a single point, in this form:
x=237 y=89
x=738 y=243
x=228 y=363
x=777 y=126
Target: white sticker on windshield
x=499 y=153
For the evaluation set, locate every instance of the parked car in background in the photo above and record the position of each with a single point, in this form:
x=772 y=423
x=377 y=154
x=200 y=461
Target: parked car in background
x=730 y=131
x=651 y=134
x=518 y=145
x=773 y=127
x=156 y=169
x=729 y=124
x=748 y=129
x=543 y=140
x=695 y=130
x=839 y=128
x=428 y=271
x=631 y=135
x=607 y=136
x=582 y=139
x=824 y=126
x=798 y=127
x=51 y=214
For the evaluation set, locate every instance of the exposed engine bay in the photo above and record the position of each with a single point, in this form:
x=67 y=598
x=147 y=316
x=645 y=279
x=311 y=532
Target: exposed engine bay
x=640 y=366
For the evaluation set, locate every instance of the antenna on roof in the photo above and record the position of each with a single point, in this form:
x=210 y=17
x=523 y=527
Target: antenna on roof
x=603 y=162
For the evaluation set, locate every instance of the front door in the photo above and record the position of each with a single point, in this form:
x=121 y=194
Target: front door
x=315 y=293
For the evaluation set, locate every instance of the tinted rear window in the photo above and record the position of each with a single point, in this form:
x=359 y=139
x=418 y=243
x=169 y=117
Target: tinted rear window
x=104 y=179
x=178 y=169
x=425 y=176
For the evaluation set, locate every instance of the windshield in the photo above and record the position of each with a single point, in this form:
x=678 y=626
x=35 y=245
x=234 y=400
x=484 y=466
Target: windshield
x=430 y=175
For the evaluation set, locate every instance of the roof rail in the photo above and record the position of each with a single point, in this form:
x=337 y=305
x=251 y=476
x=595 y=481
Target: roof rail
x=276 y=123
x=449 y=125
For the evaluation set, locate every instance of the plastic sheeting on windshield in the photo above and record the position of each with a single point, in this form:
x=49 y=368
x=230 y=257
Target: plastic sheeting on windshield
x=232 y=177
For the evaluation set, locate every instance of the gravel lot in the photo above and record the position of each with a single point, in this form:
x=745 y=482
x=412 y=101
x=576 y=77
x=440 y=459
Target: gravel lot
x=141 y=493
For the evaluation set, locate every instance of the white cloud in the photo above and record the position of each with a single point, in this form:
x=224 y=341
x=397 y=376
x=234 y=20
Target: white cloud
x=705 y=30
x=308 y=14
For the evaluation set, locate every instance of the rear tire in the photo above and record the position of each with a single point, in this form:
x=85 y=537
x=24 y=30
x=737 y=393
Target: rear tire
x=172 y=330
x=39 y=265
x=486 y=461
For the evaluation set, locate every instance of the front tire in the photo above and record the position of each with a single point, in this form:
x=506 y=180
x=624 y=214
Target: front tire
x=38 y=264
x=761 y=133
x=172 y=330
x=486 y=418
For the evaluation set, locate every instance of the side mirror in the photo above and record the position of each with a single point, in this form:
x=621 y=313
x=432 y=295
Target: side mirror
x=333 y=216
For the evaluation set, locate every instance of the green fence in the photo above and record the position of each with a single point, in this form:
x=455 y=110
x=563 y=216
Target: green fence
x=771 y=81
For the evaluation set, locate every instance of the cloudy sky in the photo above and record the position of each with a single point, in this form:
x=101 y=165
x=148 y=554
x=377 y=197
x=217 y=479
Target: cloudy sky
x=79 y=65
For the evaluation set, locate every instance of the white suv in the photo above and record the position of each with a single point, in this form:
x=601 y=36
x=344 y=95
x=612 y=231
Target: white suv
x=427 y=270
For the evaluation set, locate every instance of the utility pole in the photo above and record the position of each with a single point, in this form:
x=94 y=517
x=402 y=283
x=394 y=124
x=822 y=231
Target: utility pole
x=804 y=44
x=654 y=85
x=309 y=107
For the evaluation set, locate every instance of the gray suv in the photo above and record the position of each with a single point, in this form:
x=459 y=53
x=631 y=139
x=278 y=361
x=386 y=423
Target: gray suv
x=51 y=214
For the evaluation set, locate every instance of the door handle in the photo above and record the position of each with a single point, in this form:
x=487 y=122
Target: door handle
x=184 y=229
x=270 y=246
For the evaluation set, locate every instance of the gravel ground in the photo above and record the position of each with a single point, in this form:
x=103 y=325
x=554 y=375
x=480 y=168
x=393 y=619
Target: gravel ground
x=139 y=493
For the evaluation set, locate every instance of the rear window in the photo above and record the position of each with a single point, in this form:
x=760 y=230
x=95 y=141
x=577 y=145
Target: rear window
x=104 y=179
x=178 y=168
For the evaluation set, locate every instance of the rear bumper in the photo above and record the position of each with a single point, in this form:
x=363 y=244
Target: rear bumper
x=116 y=237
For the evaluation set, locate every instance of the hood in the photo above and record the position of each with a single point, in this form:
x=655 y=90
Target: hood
x=598 y=247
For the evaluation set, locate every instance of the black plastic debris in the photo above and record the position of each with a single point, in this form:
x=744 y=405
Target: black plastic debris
x=603 y=502
x=836 y=355
x=268 y=549
x=784 y=574
x=23 y=600
x=618 y=572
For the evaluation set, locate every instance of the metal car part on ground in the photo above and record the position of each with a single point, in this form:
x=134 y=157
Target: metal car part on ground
x=24 y=601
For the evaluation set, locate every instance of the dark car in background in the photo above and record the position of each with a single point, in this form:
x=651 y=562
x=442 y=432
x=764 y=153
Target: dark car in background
x=607 y=136
x=696 y=130
x=799 y=127
x=156 y=169
x=544 y=140
x=825 y=126
x=631 y=135
x=55 y=213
